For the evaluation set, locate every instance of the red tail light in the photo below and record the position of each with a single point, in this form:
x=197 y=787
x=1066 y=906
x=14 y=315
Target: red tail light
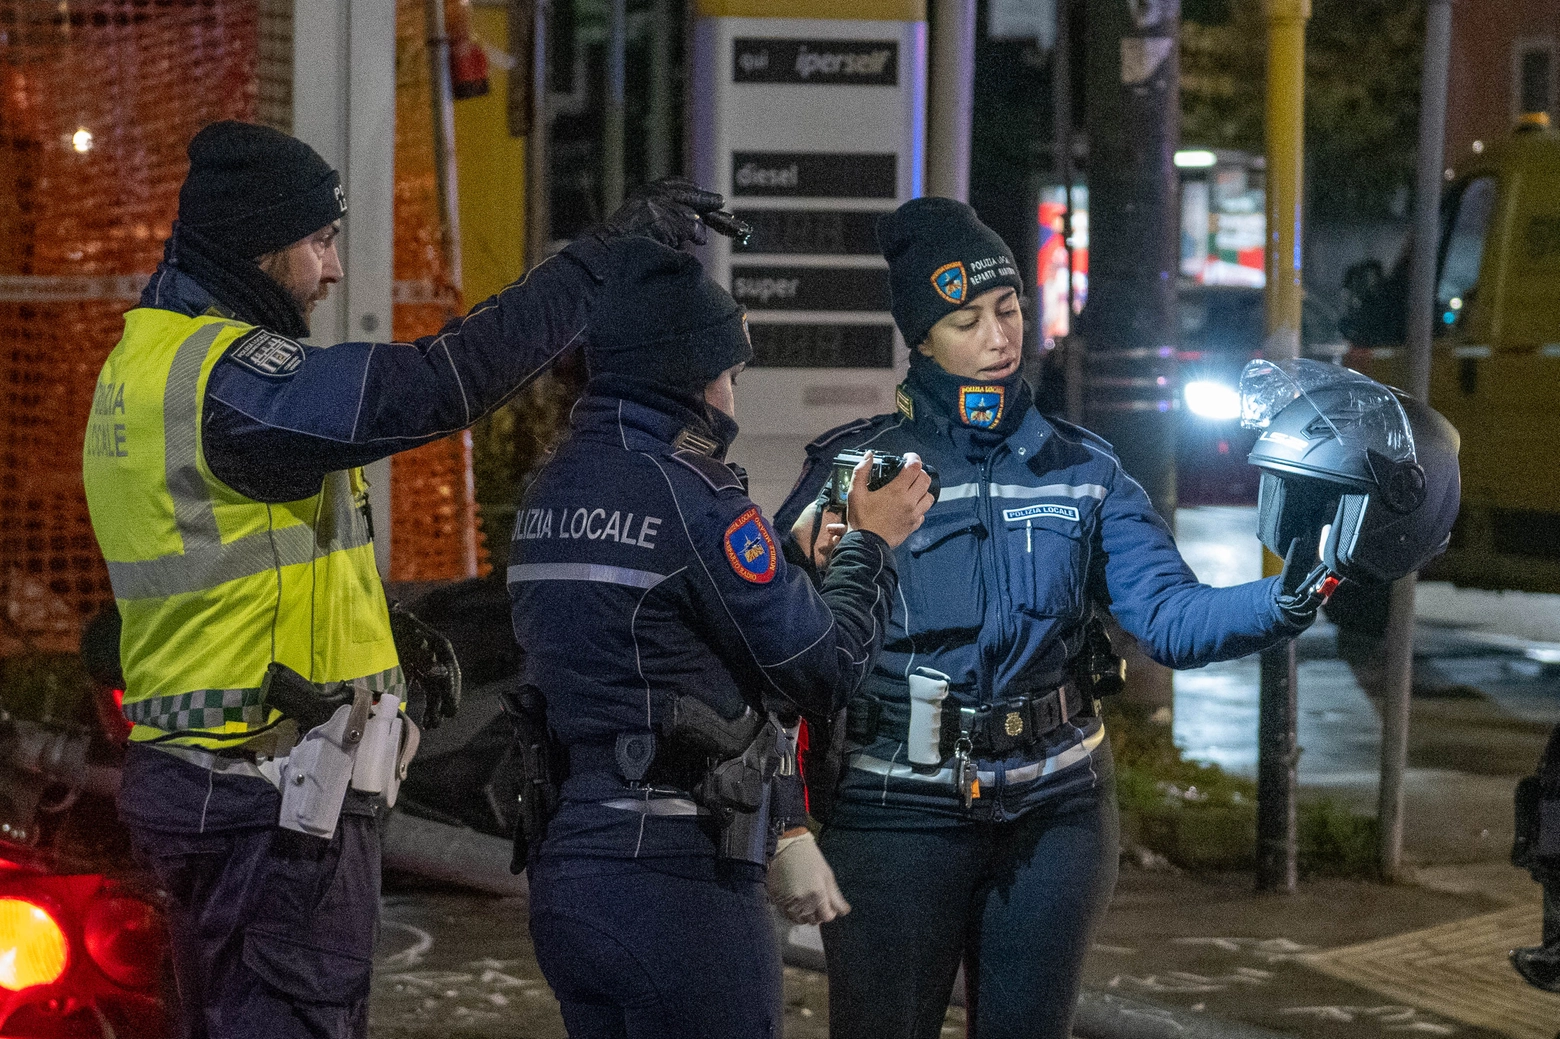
x=33 y=949
x=124 y=937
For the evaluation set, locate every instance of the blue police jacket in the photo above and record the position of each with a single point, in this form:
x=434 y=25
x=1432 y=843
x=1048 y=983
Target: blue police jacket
x=640 y=572
x=1032 y=532
x=274 y=435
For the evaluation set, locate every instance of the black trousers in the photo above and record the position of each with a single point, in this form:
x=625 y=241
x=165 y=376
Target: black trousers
x=1015 y=902
x=633 y=952
x=272 y=931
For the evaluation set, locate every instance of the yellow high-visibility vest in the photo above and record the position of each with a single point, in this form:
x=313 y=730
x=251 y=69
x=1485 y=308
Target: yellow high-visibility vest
x=212 y=585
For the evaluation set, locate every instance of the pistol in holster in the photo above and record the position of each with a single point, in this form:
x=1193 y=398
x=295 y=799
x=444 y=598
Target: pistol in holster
x=349 y=738
x=742 y=756
x=539 y=763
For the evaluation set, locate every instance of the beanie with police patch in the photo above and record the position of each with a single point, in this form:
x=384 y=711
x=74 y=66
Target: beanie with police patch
x=940 y=256
x=252 y=190
x=659 y=318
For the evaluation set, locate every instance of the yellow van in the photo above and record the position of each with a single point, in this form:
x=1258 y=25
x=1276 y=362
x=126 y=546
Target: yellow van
x=1495 y=371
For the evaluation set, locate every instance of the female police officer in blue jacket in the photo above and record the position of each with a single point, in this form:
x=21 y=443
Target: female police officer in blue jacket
x=976 y=819
x=657 y=613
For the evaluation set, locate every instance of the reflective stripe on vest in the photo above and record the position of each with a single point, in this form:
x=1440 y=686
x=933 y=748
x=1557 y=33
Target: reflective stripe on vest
x=212 y=708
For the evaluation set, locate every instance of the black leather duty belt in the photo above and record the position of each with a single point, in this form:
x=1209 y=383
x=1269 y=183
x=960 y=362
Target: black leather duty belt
x=668 y=770
x=994 y=729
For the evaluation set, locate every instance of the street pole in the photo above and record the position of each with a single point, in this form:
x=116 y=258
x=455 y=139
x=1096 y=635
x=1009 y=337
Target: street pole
x=443 y=94
x=612 y=125
x=1128 y=325
x=658 y=128
x=1278 y=751
x=1397 y=681
x=538 y=173
x=1129 y=320
x=952 y=101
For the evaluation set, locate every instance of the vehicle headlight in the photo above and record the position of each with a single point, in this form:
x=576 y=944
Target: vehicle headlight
x=1212 y=400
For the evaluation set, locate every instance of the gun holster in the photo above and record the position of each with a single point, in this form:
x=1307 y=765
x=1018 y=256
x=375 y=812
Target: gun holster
x=738 y=792
x=742 y=756
x=538 y=760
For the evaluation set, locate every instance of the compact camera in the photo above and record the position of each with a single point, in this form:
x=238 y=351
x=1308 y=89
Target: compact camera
x=836 y=489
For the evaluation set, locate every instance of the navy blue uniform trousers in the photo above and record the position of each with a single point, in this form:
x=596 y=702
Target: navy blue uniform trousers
x=1016 y=901
x=273 y=931
x=635 y=952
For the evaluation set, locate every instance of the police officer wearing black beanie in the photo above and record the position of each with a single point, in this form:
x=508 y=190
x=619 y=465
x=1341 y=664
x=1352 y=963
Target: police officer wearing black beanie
x=670 y=646
x=223 y=473
x=973 y=812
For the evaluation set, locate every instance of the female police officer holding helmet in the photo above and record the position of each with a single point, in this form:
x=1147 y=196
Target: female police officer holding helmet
x=666 y=637
x=976 y=819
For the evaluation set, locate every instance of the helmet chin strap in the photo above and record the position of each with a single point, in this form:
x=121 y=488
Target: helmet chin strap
x=1301 y=596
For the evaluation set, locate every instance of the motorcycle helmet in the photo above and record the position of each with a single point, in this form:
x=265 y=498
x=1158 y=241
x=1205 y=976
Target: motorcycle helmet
x=1360 y=474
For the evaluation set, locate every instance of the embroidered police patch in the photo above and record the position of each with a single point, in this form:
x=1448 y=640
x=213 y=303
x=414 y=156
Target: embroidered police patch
x=950 y=282
x=267 y=353
x=981 y=406
x=1066 y=512
x=750 y=550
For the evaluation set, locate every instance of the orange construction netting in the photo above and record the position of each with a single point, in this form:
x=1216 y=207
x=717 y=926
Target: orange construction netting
x=433 y=504
x=97 y=103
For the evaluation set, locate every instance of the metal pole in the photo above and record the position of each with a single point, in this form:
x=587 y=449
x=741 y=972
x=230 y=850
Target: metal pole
x=1397 y=681
x=1278 y=750
x=1129 y=319
x=538 y=171
x=658 y=129
x=1129 y=324
x=952 y=101
x=612 y=125
x=444 y=138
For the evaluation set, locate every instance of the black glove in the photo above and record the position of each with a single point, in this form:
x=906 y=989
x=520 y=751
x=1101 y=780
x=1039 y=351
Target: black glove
x=428 y=661
x=1304 y=589
x=671 y=211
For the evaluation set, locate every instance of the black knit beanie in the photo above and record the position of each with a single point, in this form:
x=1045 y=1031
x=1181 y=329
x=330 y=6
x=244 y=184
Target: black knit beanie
x=940 y=256
x=252 y=190
x=660 y=319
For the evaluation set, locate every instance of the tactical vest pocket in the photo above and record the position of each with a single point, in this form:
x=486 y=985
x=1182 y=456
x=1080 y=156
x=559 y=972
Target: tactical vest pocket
x=939 y=573
x=1047 y=567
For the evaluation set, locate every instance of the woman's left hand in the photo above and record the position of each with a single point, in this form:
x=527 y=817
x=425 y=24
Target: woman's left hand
x=801 y=884
x=829 y=533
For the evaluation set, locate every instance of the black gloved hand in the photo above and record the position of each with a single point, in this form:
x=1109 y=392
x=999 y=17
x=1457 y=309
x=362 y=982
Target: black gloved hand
x=671 y=211
x=429 y=664
x=1304 y=588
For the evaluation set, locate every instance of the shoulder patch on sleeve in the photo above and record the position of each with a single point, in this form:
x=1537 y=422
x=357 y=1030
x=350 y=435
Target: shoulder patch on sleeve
x=266 y=353
x=717 y=475
x=750 y=549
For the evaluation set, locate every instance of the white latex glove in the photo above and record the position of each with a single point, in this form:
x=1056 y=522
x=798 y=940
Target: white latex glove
x=802 y=885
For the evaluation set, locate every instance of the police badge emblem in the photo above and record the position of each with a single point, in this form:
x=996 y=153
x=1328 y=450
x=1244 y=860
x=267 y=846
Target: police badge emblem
x=950 y=282
x=266 y=353
x=981 y=406
x=750 y=550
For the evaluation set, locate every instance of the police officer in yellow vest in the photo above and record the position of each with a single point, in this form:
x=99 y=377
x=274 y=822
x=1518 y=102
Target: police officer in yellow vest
x=222 y=465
